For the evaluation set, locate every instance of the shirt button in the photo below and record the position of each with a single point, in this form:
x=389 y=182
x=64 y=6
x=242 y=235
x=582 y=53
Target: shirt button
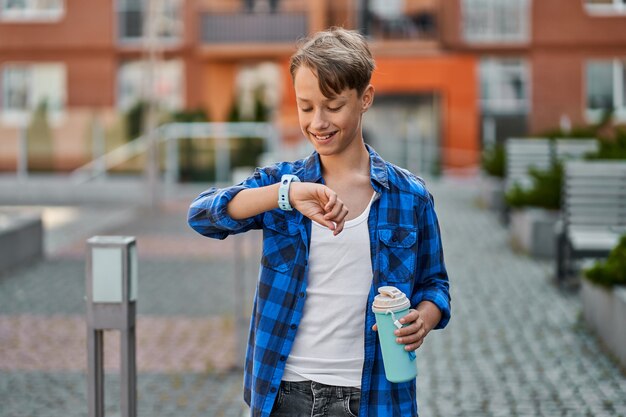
x=283 y=358
x=293 y=327
x=283 y=226
x=273 y=390
x=301 y=295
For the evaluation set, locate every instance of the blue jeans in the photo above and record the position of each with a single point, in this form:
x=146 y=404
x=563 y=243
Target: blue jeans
x=312 y=399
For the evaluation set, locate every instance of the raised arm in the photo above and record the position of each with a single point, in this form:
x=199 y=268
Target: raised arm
x=315 y=201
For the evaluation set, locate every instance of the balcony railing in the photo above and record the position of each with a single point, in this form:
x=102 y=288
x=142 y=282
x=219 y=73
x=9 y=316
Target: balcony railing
x=399 y=19
x=496 y=21
x=253 y=27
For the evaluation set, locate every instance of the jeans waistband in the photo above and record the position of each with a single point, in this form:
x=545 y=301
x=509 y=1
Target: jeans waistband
x=310 y=386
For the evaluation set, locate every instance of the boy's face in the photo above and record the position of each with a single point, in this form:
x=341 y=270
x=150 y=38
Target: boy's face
x=332 y=125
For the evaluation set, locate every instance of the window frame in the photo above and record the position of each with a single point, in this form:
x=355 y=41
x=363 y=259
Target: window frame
x=501 y=106
x=122 y=7
x=616 y=8
x=618 y=66
x=124 y=103
x=21 y=117
x=494 y=35
x=32 y=14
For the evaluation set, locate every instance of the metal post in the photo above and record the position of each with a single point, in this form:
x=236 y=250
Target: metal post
x=98 y=145
x=171 y=161
x=151 y=52
x=111 y=284
x=222 y=154
x=22 y=159
x=95 y=372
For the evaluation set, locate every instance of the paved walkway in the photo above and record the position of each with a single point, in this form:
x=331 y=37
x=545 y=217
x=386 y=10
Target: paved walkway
x=516 y=345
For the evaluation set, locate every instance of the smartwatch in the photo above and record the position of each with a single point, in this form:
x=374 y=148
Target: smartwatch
x=283 y=191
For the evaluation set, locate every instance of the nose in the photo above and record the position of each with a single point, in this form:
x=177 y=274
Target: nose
x=319 y=122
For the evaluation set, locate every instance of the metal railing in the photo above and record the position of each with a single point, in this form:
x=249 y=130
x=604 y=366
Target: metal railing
x=170 y=134
x=219 y=28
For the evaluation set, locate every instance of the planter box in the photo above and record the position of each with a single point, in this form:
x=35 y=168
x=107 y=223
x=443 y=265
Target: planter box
x=532 y=231
x=21 y=239
x=605 y=313
x=491 y=193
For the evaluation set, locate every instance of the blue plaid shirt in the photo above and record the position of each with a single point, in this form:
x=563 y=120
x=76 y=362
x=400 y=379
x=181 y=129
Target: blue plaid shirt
x=406 y=252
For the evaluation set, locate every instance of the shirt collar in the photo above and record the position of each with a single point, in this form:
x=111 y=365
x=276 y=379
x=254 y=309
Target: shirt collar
x=378 y=169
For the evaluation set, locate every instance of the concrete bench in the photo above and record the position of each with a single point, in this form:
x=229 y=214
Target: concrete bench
x=540 y=153
x=593 y=216
x=567 y=149
x=21 y=238
x=523 y=154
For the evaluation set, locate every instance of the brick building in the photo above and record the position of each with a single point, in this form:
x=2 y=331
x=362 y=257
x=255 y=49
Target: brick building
x=449 y=73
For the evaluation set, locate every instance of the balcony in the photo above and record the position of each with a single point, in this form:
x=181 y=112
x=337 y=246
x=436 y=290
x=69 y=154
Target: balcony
x=399 y=20
x=252 y=27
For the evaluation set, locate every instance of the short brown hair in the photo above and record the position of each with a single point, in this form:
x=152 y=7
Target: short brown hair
x=340 y=58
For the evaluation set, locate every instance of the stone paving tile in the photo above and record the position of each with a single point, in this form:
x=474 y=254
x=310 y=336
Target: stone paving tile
x=40 y=394
x=165 y=287
x=516 y=345
x=164 y=344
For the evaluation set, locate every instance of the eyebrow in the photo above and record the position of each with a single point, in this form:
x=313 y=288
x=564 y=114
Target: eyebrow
x=325 y=101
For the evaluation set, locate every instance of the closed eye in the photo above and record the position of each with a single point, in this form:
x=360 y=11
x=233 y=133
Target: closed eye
x=335 y=109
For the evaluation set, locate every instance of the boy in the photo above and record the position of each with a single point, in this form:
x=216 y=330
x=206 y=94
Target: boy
x=336 y=226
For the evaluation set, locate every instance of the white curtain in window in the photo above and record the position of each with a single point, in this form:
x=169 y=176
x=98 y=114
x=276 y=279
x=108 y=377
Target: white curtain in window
x=168 y=86
x=49 y=85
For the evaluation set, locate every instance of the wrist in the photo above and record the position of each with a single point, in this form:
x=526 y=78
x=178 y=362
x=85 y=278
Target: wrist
x=284 y=191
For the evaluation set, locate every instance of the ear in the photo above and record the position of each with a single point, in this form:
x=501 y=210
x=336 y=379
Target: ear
x=367 y=98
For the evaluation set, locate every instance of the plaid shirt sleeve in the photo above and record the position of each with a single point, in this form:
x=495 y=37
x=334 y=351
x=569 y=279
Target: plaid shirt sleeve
x=208 y=213
x=432 y=274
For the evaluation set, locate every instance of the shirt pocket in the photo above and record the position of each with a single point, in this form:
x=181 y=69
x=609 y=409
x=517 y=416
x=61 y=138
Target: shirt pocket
x=280 y=242
x=398 y=247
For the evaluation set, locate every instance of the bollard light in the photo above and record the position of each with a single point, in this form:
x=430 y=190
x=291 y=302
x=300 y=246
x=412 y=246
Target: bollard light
x=113 y=269
x=111 y=297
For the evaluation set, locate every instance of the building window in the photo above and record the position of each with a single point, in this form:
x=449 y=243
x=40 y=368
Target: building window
x=606 y=88
x=504 y=86
x=24 y=87
x=31 y=10
x=605 y=6
x=496 y=21
x=168 y=85
x=132 y=20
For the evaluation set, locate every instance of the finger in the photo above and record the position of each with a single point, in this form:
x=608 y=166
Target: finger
x=375 y=327
x=341 y=220
x=342 y=215
x=321 y=220
x=339 y=228
x=414 y=346
x=410 y=329
x=411 y=338
x=332 y=199
x=411 y=316
x=334 y=213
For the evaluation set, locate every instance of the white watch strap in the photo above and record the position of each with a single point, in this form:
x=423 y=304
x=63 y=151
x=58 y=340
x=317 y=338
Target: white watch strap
x=283 y=191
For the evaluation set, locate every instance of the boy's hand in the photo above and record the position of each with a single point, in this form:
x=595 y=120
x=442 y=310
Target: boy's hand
x=412 y=335
x=318 y=203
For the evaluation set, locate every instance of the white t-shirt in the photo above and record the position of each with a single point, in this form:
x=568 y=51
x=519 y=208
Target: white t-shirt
x=329 y=344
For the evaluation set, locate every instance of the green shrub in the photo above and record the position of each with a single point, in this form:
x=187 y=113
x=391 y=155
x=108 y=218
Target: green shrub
x=611 y=271
x=493 y=161
x=612 y=148
x=190 y=166
x=134 y=120
x=545 y=191
x=40 y=140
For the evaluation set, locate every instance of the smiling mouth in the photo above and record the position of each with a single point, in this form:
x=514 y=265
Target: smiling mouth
x=324 y=137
